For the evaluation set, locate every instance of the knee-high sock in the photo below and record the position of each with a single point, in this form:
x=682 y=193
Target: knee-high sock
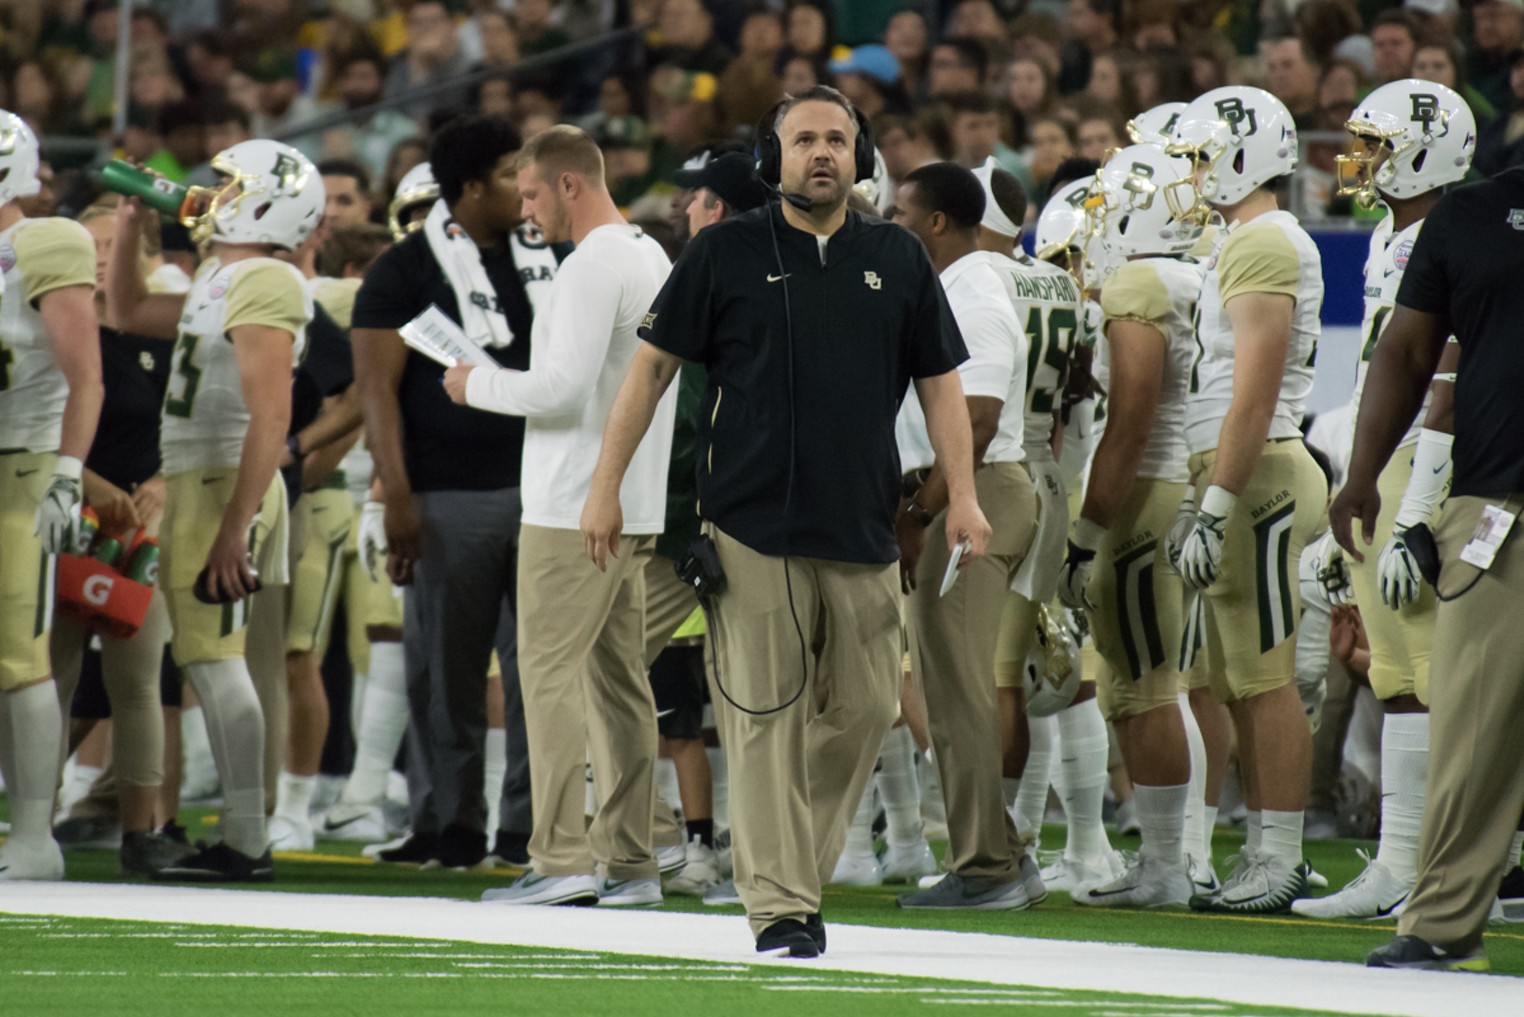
x=293 y=796
x=1161 y=815
x=1032 y=799
x=495 y=768
x=34 y=729
x=1082 y=750
x=860 y=832
x=667 y=787
x=1198 y=834
x=719 y=774
x=899 y=788
x=195 y=749
x=382 y=725
x=1404 y=786
x=235 y=725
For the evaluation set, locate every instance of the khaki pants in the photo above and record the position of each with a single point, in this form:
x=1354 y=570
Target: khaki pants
x=952 y=648
x=1476 y=760
x=797 y=773
x=581 y=640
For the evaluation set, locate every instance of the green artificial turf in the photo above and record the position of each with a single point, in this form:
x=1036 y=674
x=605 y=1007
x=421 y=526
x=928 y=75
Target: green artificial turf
x=71 y=967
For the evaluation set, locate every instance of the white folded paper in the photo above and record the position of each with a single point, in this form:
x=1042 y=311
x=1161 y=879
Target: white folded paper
x=434 y=335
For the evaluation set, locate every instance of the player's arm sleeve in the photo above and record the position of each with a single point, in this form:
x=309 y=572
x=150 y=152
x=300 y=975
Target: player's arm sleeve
x=266 y=293
x=1135 y=293
x=936 y=344
x=564 y=369
x=54 y=253
x=1260 y=259
x=990 y=333
x=682 y=318
x=1426 y=281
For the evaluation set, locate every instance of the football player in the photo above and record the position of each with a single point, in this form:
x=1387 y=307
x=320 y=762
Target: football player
x=50 y=400
x=1410 y=139
x=1260 y=495
x=226 y=414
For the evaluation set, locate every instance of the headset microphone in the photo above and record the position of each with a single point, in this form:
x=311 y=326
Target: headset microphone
x=799 y=201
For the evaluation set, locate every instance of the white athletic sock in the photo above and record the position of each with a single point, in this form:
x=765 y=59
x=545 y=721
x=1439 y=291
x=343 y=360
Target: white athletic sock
x=1082 y=752
x=1197 y=833
x=293 y=796
x=382 y=725
x=1252 y=827
x=1161 y=814
x=1281 y=836
x=1010 y=787
x=860 y=832
x=35 y=733
x=1516 y=846
x=493 y=771
x=666 y=784
x=357 y=702
x=1032 y=799
x=236 y=729
x=1404 y=787
x=899 y=788
x=195 y=748
x=719 y=775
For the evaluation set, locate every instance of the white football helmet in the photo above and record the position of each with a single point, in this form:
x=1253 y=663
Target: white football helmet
x=876 y=190
x=1127 y=206
x=1051 y=677
x=1066 y=228
x=1154 y=126
x=1411 y=136
x=273 y=195
x=1240 y=138
x=18 y=158
x=417 y=187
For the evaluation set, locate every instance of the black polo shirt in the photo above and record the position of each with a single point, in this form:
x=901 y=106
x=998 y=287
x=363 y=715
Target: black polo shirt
x=1465 y=269
x=444 y=446
x=867 y=316
x=326 y=369
x=134 y=373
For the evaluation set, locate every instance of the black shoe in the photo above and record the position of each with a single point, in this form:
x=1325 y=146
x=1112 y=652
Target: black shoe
x=1414 y=953
x=816 y=927
x=460 y=848
x=790 y=935
x=175 y=832
x=417 y=849
x=218 y=863
x=511 y=848
x=145 y=852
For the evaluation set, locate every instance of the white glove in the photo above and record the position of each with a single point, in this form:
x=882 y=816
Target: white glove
x=1174 y=540
x=1074 y=579
x=57 y=518
x=1331 y=572
x=371 y=539
x=1397 y=571
x=1201 y=553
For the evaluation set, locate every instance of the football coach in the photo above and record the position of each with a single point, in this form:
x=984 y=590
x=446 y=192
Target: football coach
x=811 y=322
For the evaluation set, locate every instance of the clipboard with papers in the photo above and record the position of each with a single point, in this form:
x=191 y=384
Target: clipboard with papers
x=437 y=337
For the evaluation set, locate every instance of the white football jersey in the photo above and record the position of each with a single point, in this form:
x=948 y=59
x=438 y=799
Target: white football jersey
x=1047 y=303
x=205 y=418
x=1161 y=292
x=37 y=256
x=1388 y=258
x=1269 y=254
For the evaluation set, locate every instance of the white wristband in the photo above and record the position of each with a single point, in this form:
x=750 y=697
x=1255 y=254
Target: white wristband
x=1218 y=501
x=1431 y=478
x=69 y=466
x=1086 y=534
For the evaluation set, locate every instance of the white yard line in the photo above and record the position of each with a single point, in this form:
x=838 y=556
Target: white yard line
x=1324 y=987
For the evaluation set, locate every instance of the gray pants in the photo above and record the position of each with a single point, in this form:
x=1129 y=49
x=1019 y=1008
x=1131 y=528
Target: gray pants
x=459 y=608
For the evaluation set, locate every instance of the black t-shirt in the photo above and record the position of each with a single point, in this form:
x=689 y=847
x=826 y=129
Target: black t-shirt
x=135 y=372
x=1465 y=270
x=863 y=325
x=326 y=369
x=444 y=446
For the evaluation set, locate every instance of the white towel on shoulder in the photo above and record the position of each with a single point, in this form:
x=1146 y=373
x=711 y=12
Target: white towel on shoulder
x=461 y=261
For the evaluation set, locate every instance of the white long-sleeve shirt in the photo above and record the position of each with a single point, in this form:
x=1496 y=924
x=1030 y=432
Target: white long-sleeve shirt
x=580 y=350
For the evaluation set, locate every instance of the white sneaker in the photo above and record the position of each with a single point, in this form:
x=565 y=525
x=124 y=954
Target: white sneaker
x=287 y=834
x=325 y=794
x=700 y=874
x=373 y=850
x=858 y=869
x=1127 y=819
x=1071 y=875
x=1203 y=874
x=1375 y=893
x=1031 y=878
x=1146 y=883
x=1315 y=879
x=722 y=895
x=907 y=863
x=1260 y=885
x=628 y=893
x=42 y=863
x=671 y=859
x=533 y=888
x=357 y=824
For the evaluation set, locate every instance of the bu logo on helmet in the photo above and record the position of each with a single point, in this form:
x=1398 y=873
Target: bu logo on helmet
x=1516 y=218
x=1233 y=112
x=1425 y=109
x=289 y=172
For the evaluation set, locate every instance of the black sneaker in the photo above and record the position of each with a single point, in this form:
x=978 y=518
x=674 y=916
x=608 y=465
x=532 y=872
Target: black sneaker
x=816 y=928
x=1418 y=954
x=417 y=849
x=458 y=848
x=511 y=849
x=175 y=832
x=791 y=936
x=1511 y=895
x=218 y=863
x=145 y=852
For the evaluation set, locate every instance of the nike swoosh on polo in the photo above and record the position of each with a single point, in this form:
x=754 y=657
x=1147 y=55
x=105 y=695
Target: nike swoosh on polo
x=775 y=278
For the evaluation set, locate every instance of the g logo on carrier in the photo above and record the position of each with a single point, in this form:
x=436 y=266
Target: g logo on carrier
x=1233 y=112
x=97 y=589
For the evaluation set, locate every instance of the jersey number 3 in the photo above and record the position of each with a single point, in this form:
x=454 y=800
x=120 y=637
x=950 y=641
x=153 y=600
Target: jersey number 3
x=187 y=375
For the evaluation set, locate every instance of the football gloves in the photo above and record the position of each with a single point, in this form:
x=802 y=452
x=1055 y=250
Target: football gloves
x=371 y=539
x=57 y=520
x=1201 y=551
x=1397 y=571
x=1331 y=572
x=1174 y=540
x=1074 y=579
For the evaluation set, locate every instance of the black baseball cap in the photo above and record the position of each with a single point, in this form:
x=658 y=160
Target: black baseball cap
x=732 y=177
